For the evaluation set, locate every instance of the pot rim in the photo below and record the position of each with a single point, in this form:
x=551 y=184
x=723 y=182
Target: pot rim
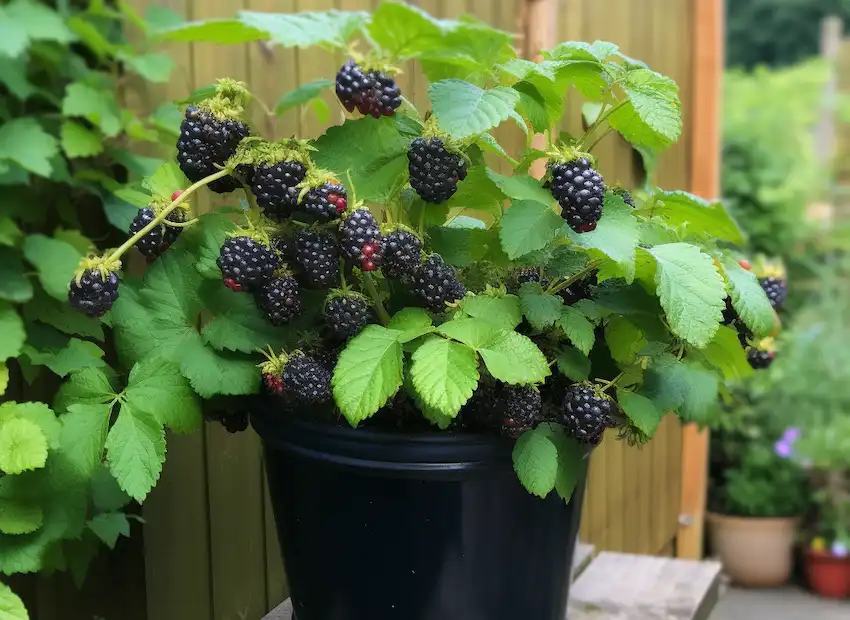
x=827 y=556
x=718 y=517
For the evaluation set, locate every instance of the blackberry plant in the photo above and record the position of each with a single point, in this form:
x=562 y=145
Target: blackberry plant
x=394 y=268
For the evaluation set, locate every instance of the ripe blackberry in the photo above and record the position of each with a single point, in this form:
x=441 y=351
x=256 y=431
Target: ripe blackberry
x=93 y=294
x=234 y=422
x=360 y=237
x=587 y=413
x=279 y=298
x=207 y=141
x=402 y=253
x=580 y=191
x=318 y=255
x=371 y=92
x=578 y=290
x=326 y=201
x=274 y=185
x=347 y=313
x=760 y=359
x=245 y=263
x=625 y=195
x=729 y=313
x=521 y=407
x=151 y=244
x=528 y=274
x=436 y=283
x=481 y=412
x=776 y=291
x=434 y=171
x=306 y=379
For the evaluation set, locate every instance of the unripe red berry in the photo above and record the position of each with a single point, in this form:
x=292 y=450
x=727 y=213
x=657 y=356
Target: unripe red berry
x=745 y=264
x=176 y=194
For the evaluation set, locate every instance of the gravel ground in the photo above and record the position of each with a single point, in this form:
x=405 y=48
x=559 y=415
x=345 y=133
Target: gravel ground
x=782 y=604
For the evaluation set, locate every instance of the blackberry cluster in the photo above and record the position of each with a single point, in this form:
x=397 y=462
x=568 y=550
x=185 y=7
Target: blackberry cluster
x=371 y=92
x=480 y=413
x=279 y=298
x=587 y=413
x=347 y=313
x=207 y=142
x=233 y=419
x=317 y=254
x=402 y=253
x=625 y=195
x=245 y=263
x=580 y=191
x=436 y=283
x=776 y=291
x=528 y=274
x=306 y=379
x=760 y=359
x=151 y=245
x=326 y=201
x=521 y=409
x=361 y=239
x=578 y=290
x=434 y=171
x=93 y=294
x=275 y=186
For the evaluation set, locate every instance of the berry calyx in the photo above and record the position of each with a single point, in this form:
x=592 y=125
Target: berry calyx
x=586 y=413
x=245 y=263
x=435 y=171
x=346 y=313
x=580 y=191
x=94 y=287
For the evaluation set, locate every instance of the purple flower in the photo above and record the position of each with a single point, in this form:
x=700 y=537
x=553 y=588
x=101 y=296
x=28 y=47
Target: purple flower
x=839 y=549
x=791 y=434
x=783 y=449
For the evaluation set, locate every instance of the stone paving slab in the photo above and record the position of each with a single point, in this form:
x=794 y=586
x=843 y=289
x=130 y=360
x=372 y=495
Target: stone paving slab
x=782 y=604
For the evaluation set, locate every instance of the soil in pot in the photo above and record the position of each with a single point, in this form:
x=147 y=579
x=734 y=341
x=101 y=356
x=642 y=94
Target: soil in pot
x=828 y=575
x=378 y=525
x=756 y=553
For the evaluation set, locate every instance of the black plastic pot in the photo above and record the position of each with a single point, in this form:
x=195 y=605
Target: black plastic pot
x=376 y=525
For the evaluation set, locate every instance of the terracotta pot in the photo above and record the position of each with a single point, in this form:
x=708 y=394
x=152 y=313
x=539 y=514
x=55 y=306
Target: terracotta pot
x=829 y=575
x=755 y=552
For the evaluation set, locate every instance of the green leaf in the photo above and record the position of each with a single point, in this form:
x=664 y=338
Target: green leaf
x=84 y=431
x=37 y=413
x=14 y=285
x=90 y=386
x=13 y=39
x=709 y=219
x=577 y=328
x=513 y=358
x=238 y=325
x=641 y=411
x=221 y=31
x=204 y=241
x=473 y=332
x=573 y=363
x=9 y=232
x=11 y=607
x=625 y=340
x=109 y=526
x=23 y=446
x=157 y=387
x=23 y=21
x=96 y=105
x=167 y=178
x=521 y=187
x=463 y=109
x=616 y=236
x=460 y=247
x=726 y=354
x=63 y=317
x=688 y=388
x=12 y=328
x=403 y=31
x=528 y=226
x=307 y=28
x=19 y=517
x=748 y=299
x=106 y=494
x=572 y=459
x=368 y=372
x=372 y=151
x=154 y=66
x=23 y=141
x=412 y=322
x=13 y=74
x=502 y=311
x=691 y=291
x=653 y=115
x=444 y=374
x=135 y=451
x=540 y=308
x=76 y=355
x=535 y=460
x=4 y=378
x=212 y=372
x=477 y=196
x=77 y=141
x=301 y=95
x=55 y=261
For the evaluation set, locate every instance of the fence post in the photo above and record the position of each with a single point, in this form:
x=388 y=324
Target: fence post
x=539 y=30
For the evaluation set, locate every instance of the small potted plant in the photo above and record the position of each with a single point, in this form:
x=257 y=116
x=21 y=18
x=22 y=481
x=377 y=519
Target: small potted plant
x=427 y=323
x=827 y=557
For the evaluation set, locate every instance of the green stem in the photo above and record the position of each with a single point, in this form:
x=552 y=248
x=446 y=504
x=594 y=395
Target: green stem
x=556 y=286
x=603 y=116
x=116 y=255
x=600 y=138
x=185 y=224
x=369 y=284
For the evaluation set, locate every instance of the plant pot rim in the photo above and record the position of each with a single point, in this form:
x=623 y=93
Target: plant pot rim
x=720 y=517
x=827 y=555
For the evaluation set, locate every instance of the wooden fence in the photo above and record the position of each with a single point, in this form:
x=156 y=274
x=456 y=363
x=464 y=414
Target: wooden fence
x=210 y=550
